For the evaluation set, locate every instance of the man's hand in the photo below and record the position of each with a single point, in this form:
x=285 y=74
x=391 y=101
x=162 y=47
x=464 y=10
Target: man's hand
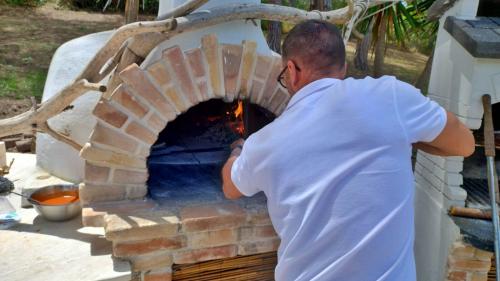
x=236 y=147
x=230 y=190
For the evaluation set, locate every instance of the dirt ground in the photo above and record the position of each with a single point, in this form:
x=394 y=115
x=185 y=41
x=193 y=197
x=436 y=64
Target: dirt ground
x=28 y=39
x=30 y=36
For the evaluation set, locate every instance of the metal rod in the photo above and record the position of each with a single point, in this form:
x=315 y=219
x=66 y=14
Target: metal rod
x=489 y=151
x=493 y=185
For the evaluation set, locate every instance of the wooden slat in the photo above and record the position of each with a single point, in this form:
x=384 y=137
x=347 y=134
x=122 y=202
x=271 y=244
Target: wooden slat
x=254 y=267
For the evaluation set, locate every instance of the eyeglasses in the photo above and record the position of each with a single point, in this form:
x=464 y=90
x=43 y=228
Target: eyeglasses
x=281 y=76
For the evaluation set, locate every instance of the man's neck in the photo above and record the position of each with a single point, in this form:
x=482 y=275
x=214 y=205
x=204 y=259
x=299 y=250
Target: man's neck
x=316 y=78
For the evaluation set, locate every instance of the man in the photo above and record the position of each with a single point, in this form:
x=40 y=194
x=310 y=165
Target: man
x=336 y=165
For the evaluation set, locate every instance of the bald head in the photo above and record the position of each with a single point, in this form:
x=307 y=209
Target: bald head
x=317 y=45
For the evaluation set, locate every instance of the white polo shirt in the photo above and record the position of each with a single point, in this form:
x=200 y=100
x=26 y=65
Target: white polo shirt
x=336 y=170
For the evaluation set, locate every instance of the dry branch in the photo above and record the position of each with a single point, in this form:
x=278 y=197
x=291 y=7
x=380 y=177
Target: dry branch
x=45 y=128
x=182 y=10
x=32 y=119
x=168 y=28
x=133 y=42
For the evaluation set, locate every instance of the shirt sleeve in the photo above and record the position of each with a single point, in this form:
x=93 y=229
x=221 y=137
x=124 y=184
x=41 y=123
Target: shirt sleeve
x=421 y=118
x=243 y=171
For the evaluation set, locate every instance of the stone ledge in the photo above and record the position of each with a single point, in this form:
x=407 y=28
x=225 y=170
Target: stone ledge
x=93 y=215
x=140 y=226
x=211 y=217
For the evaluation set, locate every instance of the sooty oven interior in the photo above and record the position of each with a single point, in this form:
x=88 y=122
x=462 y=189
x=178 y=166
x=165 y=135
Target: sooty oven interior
x=186 y=160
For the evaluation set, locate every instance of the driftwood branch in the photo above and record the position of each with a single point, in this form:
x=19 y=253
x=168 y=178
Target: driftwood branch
x=133 y=42
x=438 y=8
x=28 y=121
x=45 y=128
x=168 y=28
x=183 y=9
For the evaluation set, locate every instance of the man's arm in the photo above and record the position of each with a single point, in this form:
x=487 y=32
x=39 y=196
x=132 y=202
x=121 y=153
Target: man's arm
x=230 y=190
x=455 y=140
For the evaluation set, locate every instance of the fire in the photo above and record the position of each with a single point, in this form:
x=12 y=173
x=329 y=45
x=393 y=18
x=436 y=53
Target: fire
x=236 y=119
x=239 y=110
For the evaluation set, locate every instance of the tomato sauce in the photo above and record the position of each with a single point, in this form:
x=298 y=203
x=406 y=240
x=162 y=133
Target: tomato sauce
x=65 y=199
x=60 y=198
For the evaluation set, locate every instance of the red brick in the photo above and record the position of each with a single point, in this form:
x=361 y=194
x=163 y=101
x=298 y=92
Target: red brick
x=249 y=59
x=136 y=226
x=130 y=177
x=271 y=83
x=136 y=79
x=257 y=247
x=469 y=265
x=211 y=217
x=210 y=48
x=231 y=57
x=98 y=193
x=128 y=101
x=112 y=138
x=156 y=122
x=136 y=192
x=278 y=99
x=193 y=256
x=96 y=173
x=196 y=62
x=93 y=218
x=212 y=238
x=457 y=276
x=151 y=261
x=160 y=74
x=107 y=157
x=140 y=132
x=183 y=77
x=128 y=249
x=256 y=91
x=203 y=88
x=109 y=114
x=94 y=214
x=479 y=276
x=258 y=215
x=263 y=67
x=257 y=232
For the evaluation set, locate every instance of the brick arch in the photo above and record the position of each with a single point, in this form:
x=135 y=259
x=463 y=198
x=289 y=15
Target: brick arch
x=129 y=121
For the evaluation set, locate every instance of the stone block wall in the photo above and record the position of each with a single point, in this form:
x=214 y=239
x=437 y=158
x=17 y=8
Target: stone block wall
x=154 y=241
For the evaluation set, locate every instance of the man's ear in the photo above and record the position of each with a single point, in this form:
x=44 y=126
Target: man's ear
x=293 y=75
x=344 y=70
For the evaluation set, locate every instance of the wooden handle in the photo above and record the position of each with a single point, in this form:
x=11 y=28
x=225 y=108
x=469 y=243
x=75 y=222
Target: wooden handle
x=469 y=213
x=489 y=136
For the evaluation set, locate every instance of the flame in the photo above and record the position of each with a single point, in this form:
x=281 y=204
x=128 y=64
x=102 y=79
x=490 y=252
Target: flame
x=239 y=110
x=236 y=116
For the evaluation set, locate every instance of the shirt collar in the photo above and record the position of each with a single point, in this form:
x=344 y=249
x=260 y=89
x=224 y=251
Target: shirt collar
x=310 y=89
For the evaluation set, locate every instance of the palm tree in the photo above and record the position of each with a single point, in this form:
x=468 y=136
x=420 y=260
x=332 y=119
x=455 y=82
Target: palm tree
x=397 y=22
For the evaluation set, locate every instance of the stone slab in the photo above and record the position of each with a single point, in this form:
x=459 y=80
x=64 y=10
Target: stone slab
x=480 y=37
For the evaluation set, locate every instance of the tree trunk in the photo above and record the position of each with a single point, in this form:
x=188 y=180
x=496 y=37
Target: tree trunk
x=274 y=32
x=378 y=63
x=131 y=11
x=317 y=5
x=423 y=79
x=363 y=47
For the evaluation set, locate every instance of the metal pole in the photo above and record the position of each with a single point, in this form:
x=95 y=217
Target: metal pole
x=489 y=149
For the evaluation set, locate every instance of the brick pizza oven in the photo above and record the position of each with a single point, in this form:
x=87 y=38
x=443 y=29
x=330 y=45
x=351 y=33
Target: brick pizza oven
x=154 y=233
